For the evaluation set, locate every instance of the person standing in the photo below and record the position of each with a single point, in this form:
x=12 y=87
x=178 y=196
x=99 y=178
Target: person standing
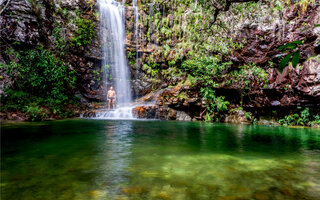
x=111 y=98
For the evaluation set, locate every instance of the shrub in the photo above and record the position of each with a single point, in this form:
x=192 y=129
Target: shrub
x=84 y=32
x=304 y=119
x=40 y=78
x=40 y=73
x=35 y=113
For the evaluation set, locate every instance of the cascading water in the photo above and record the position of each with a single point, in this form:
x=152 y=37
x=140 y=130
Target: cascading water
x=136 y=21
x=112 y=27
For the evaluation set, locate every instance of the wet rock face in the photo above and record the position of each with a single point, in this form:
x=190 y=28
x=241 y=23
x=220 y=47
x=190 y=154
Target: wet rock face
x=71 y=4
x=28 y=24
x=163 y=113
x=19 y=22
x=145 y=112
x=180 y=103
x=236 y=117
x=292 y=87
x=13 y=116
x=263 y=41
x=309 y=82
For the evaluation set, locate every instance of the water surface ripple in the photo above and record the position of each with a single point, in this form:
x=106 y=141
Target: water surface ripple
x=98 y=159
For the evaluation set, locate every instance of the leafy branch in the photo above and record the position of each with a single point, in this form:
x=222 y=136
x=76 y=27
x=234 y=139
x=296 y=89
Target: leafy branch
x=293 y=50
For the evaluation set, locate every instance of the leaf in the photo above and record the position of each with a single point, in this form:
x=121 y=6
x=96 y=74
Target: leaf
x=296 y=42
x=284 y=62
x=288 y=46
x=296 y=58
x=317 y=25
x=291 y=45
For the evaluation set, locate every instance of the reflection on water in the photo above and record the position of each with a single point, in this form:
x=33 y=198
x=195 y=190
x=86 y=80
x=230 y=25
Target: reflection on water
x=114 y=154
x=90 y=159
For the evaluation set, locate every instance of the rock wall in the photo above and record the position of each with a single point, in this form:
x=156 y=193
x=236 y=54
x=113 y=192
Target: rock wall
x=260 y=37
x=27 y=24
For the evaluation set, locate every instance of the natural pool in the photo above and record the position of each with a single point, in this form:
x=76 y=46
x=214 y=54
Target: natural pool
x=97 y=159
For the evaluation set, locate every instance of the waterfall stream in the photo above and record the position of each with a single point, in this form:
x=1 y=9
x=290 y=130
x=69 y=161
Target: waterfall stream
x=114 y=61
x=112 y=28
x=136 y=28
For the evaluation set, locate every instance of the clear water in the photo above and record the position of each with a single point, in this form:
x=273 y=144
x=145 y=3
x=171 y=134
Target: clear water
x=98 y=159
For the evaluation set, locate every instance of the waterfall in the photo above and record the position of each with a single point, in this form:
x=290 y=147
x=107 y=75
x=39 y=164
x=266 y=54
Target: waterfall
x=136 y=21
x=114 y=61
x=112 y=27
x=151 y=14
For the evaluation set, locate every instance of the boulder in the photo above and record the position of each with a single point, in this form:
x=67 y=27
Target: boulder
x=236 y=117
x=309 y=83
x=144 y=112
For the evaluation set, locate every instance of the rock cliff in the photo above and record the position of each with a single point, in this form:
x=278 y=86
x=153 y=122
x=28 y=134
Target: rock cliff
x=165 y=36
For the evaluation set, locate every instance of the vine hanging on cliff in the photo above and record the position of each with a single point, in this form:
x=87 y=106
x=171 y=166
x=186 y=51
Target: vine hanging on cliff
x=225 y=6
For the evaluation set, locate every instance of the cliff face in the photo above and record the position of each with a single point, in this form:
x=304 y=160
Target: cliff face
x=163 y=39
x=28 y=24
x=167 y=34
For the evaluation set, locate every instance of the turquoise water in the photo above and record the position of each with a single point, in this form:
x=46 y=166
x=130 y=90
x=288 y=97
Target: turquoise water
x=96 y=159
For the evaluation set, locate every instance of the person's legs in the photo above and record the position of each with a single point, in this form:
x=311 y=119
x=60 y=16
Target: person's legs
x=109 y=102
x=113 y=104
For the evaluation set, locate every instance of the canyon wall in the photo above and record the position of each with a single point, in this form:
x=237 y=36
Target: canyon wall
x=167 y=34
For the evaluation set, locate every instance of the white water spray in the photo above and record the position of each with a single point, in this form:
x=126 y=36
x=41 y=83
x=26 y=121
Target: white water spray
x=112 y=27
x=119 y=113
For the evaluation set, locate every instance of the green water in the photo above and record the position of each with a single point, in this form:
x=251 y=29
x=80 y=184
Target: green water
x=96 y=159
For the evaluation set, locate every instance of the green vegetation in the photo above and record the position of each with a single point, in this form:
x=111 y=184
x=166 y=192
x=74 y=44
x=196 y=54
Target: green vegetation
x=40 y=72
x=40 y=78
x=35 y=113
x=204 y=71
x=194 y=38
x=84 y=32
x=189 y=43
x=60 y=43
x=302 y=119
x=293 y=54
x=43 y=79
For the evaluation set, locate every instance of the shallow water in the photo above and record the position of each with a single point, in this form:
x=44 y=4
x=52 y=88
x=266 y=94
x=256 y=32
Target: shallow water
x=97 y=159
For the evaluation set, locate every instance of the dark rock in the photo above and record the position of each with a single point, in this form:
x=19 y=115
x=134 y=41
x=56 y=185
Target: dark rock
x=236 y=117
x=309 y=83
x=275 y=103
x=145 y=112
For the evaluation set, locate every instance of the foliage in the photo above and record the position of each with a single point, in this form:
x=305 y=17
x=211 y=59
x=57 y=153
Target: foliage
x=35 y=113
x=203 y=71
x=40 y=78
x=293 y=54
x=15 y=100
x=214 y=103
x=39 y=72
x=302 y=119
x=96 y=75
x=84 y=32
x=248 y=76
x=60 y=43
x=315 y=121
